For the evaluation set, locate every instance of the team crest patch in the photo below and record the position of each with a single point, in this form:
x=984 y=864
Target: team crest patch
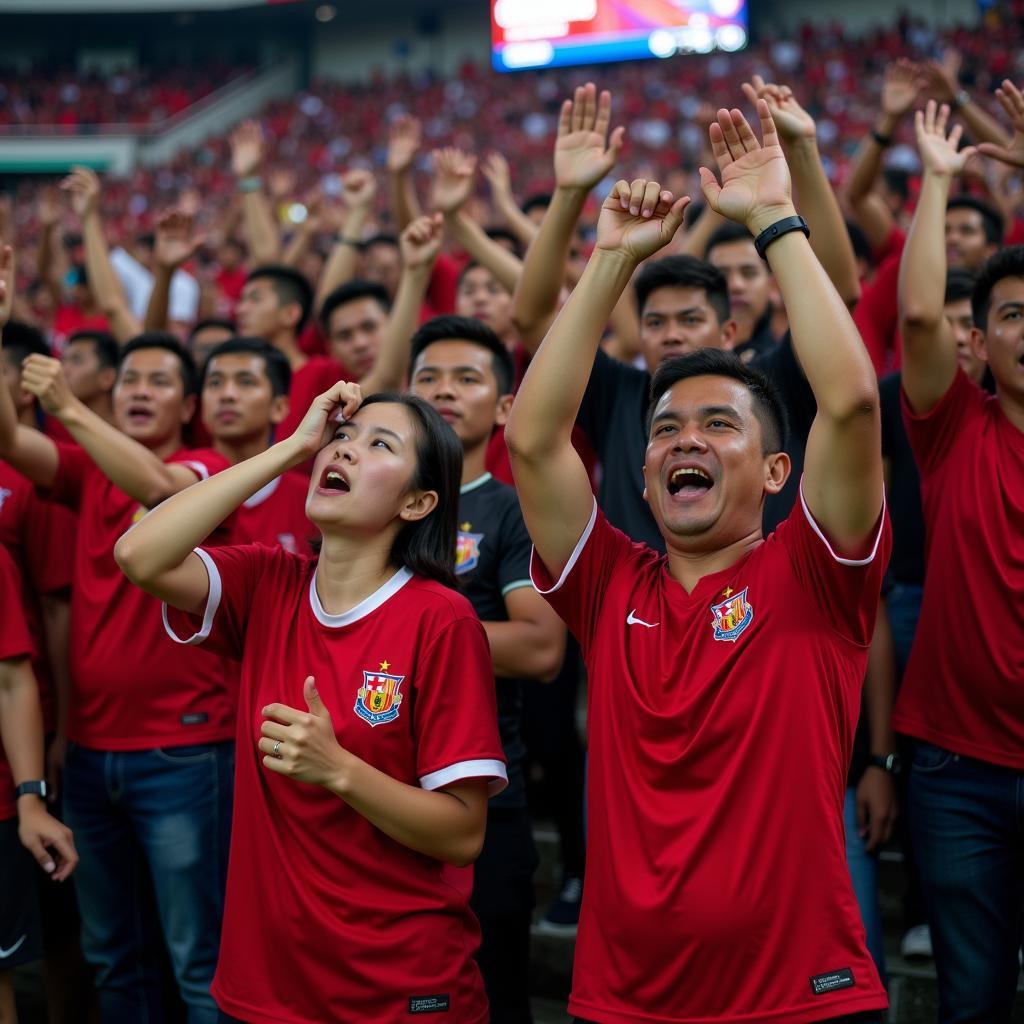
x=378 y=699
x=467 y=549
x=732 y=616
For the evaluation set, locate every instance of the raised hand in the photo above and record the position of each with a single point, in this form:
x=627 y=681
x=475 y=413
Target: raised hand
x=83 y=184
x=584 y=153
x=1012 y=101
x=639 y=218
x=246 y=149
x=942 y=80
x=43 y=377
x=900 y=88
x=6 y=283
x=176 y=240
x=404 y=138
x=359 y=189
x=794 y=124
x=49 y=207
x=453 y=179
x=499 y=178
x=756 y=189
x=421 y=241
x=938 y=150
x=321 y=420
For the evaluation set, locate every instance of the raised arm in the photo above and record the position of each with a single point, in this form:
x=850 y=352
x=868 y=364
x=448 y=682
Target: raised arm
x=176 y=243
x=359 y=190
x=929 y=348
x=842 y=482
x=799 y=137
x=1012 y=101
x=584 y=154
x=404 y=139
x=635 y=222
x=453 y=185
x=420 y=244
x=51 y=259
x=260 y=226
x=499 y=177
x=84 y=186
x=903 y=83
x=943 y=82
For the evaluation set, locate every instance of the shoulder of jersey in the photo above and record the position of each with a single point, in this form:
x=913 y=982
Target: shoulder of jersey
x=439 y=600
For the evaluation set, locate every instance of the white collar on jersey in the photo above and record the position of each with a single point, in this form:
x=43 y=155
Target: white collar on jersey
x=262 y=494
x=474 y=484
x=369 y=604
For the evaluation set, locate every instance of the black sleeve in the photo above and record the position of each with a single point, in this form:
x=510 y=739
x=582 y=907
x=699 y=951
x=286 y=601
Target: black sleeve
x=609 y=380
x=889 y=400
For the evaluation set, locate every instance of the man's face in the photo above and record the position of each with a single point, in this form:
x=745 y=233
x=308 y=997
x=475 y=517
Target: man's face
x=86 y=377
x=354 y=333
x=259 y=312
x=382 y=263
x=238 y=399
x=966 y=244
x=457 y=379
x=483 y=298
x=205 y=340
x=960 y=320
x=149 y=397
x=676 y=321
x=1002 y=344
x=705 y=475
x=229 y=256
x=750 y=283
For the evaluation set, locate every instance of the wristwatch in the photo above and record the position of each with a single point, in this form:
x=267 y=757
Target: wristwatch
x=891 y=763
x=37 y=787
x=961 y=99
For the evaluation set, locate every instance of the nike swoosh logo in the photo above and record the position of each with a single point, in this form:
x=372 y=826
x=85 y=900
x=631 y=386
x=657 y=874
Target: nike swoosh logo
x=4 y=953
x=632 y=620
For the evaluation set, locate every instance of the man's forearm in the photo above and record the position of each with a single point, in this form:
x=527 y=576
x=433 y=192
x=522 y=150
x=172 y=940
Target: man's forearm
x=522 y=650
x=981 y=125
x=867 y=161
x=405 y=207
x=392 y=366
x=21 y=721
x=158 y=307
x=922 y=283
x=103 y=281
x=261 y=228
x=344 y=257
x=506 y=267
x=880 y=687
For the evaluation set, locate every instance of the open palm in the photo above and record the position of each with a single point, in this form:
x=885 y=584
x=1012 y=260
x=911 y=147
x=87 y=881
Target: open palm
x=583 y=152
x=939 y=152
x=638 y=219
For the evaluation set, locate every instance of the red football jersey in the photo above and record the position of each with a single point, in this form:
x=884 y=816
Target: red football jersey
x=964 y=684
x=40 y=538
x=720 y=729
x=15 y=643
x=131 y=688
x=276 y=515
x=326 y=917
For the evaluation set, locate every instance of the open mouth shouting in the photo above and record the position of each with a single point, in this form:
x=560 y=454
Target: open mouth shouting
x=689 y=483
x=138 y=414
x=333 y=481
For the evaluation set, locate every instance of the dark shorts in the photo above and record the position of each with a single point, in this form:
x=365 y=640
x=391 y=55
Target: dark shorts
x=21 y=935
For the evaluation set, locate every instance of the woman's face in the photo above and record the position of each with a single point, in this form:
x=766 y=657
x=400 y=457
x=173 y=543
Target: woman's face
x=362 y=478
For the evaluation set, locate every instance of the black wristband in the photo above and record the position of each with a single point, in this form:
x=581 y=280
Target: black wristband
x=775 y=231
x=885 y=141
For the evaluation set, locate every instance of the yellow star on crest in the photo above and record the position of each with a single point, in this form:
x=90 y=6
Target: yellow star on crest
x=727 y=592
x=385 y=665
x=465 y=527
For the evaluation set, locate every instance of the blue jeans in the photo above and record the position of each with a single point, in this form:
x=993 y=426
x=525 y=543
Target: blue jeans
x=152 y=829
x=967 y=824
x=863 y=867
x=903 y=604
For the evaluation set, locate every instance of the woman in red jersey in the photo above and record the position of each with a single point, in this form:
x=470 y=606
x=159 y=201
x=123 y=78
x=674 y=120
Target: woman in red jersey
x=367 y=734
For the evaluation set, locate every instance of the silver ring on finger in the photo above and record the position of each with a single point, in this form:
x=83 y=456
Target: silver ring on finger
x=276 y=751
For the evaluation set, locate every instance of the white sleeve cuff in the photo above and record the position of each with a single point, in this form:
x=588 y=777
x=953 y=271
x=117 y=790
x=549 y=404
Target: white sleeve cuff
x=212 y=604
x=480 y=769
x=828 y=547
x=573 y=558
x=197 y=467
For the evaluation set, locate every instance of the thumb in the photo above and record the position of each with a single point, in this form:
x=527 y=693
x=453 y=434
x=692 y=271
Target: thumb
x=313 y=702
x=615 y=142
x=710 y=187
x=35 y=846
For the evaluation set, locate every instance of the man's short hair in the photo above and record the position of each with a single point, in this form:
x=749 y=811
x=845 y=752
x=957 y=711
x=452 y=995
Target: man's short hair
x=897 y=181
x=960 y=284
x=107 y=349
x=499 y=234
x=211 y=321
x=169 y=343
x=1008 y=262
x=538 y=201
x=353 y=291
x=713 y=362
x=728 y=232
x=21 y=340
x=684 y=272
x=991 y=219
x=464 y=328
x=279 y=370
x=382 y=238
x=289 y=285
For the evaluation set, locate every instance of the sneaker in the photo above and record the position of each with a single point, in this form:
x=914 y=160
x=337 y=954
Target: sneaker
x=917 y=943
x=563 y=916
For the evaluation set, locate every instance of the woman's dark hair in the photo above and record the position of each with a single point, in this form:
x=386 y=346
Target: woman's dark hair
x=427 y=546
x=713 y=362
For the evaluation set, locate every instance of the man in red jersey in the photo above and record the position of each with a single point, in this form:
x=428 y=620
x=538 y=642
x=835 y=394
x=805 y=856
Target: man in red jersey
x=245 y=395
x=724 y=677
x=962 y=699
x=147 y=784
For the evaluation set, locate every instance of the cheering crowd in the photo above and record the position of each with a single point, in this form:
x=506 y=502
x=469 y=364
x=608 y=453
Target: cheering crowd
x=311 y=530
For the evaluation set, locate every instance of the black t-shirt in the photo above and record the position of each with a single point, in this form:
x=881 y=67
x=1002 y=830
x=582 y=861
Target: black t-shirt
x=493 y=559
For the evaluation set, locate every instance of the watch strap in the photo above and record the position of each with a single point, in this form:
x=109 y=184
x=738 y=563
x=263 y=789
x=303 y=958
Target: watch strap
x=775 y=231
x=34 y=787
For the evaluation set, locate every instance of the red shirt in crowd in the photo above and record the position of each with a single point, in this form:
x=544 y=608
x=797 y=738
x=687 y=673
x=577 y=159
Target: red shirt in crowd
x=15 y=643
x=720 y=727
x=877 y=315
x=326 y=917
x=317 y=375
x=963 y=688
x=276 y=515
x=131 y=688
x=70 y=319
